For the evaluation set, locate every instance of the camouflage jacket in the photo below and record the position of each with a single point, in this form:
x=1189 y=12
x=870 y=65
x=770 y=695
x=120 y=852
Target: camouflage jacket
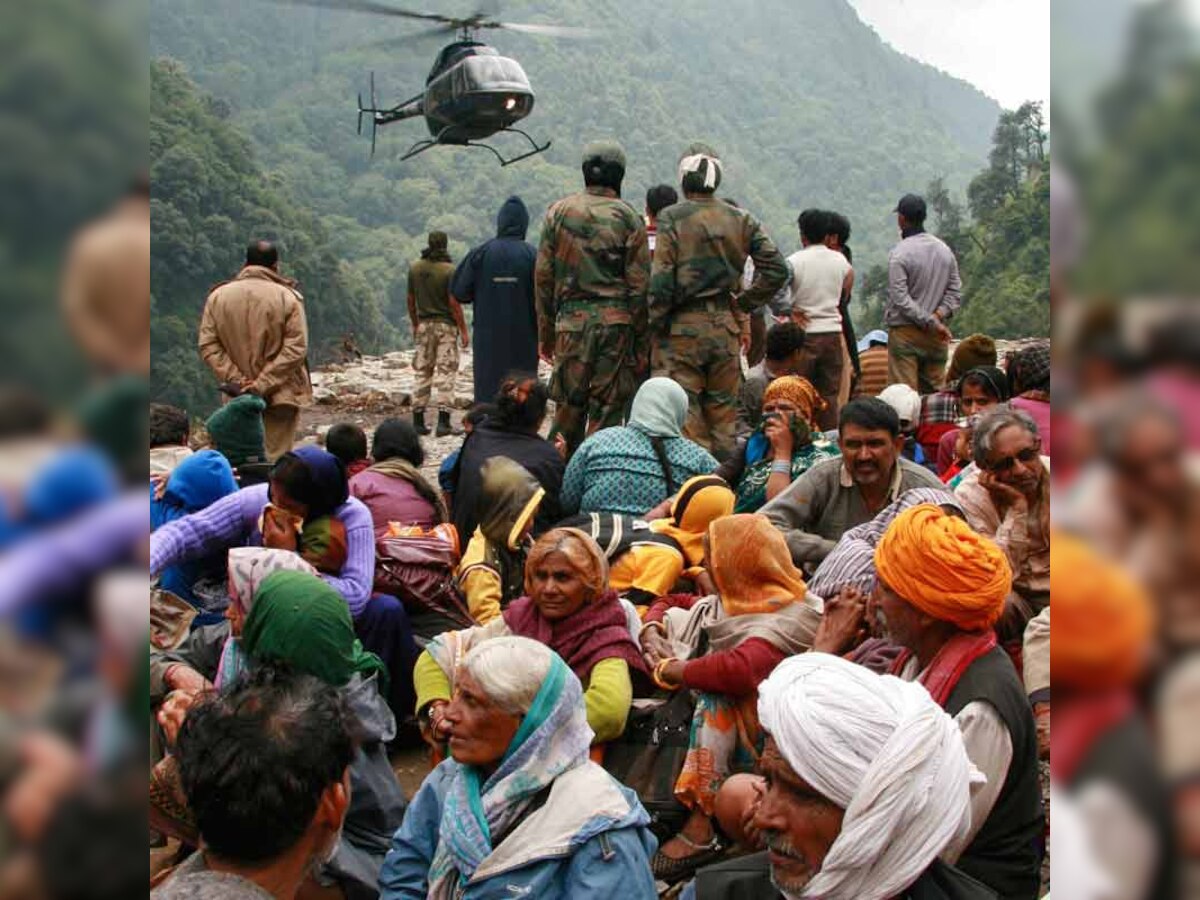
x=593 y=250
x=699 y=256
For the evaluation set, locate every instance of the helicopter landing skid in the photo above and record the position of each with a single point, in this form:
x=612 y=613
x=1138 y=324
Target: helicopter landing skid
x=421 y=146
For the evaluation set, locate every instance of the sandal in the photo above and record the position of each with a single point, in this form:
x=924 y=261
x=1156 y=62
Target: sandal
x=671 y=870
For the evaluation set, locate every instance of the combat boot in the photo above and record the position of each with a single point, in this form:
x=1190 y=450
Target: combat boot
x=419 y=422
x=444 y=428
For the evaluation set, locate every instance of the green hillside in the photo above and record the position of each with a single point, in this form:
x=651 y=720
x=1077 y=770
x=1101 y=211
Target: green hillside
x=806 y=104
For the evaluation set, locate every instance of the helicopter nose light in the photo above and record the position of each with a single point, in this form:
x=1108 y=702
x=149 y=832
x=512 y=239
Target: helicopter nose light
x=510 y=103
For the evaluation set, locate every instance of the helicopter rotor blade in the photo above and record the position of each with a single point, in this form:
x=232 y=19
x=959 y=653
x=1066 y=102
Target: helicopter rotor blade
x=561 y=31
x=369 y=6
x=401 y=40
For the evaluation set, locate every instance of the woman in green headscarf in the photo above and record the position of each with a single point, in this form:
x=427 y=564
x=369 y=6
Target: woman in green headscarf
x=301 y=621
x=629 y=470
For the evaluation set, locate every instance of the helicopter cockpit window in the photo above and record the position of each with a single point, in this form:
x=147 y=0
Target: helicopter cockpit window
x=490 y=72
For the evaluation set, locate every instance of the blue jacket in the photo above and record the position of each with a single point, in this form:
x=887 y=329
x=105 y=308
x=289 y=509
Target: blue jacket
x=588 y=840
x=198 y=482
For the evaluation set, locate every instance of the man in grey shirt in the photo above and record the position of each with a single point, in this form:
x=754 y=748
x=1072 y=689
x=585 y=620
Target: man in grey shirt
x=835 y=495
x=924 y=292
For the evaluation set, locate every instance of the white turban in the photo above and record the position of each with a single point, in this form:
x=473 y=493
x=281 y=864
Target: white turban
x=886 y=753
x=691 y=164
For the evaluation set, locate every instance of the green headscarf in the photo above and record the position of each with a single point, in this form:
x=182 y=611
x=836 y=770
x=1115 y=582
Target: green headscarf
x=300 y=620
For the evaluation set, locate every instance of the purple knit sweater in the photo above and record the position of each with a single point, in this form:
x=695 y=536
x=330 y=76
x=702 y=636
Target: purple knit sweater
x=233 y=522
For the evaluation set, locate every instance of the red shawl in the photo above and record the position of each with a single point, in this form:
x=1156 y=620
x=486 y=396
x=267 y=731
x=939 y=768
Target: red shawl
x=598 y=631
x=1079 y=722
x=953 y=660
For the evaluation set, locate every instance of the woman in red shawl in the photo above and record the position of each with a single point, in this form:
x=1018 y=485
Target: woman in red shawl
x=569 y=608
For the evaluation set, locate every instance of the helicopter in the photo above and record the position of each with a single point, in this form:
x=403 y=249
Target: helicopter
x=472 y=92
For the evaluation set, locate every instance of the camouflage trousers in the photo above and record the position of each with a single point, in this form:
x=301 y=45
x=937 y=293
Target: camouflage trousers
x=437 y=353
x=594 y=378
x=702 y=352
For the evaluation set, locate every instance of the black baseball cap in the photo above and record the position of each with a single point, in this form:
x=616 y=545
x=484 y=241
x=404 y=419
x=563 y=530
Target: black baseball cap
x=912 y=207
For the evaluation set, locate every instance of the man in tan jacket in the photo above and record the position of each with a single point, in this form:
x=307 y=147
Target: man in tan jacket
x=106 y=286
x=254 y=335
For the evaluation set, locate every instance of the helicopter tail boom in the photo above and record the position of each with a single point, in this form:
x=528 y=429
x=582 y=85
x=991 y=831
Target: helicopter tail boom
x=407 y=110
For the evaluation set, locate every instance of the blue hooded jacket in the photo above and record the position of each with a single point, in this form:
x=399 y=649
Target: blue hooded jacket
x=497 y=277
x=197 y=483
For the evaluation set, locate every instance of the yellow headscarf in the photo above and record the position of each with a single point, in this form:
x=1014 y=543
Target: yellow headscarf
x=752 y=566
x=1103 y=626
x=940 y=565
x=700 y=502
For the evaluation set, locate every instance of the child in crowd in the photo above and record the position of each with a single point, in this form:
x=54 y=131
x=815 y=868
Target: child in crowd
x=348 y=442
x=474 y=416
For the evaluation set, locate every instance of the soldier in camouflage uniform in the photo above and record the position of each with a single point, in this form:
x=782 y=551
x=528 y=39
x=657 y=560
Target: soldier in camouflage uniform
x=590 y=285
x=697 y=310
x=438 y=327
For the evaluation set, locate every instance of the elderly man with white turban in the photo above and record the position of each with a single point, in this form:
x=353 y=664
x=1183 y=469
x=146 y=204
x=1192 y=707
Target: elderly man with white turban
x=865 y=784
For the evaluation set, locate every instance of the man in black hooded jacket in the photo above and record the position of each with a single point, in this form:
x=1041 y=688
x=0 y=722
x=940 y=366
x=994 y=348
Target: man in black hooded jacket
x=497 y=277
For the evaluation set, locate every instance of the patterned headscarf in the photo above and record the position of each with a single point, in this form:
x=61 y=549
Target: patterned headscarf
x=248 y=569
x=553 y=738
x=250 y=566
x=852 y=561
x=799 y=391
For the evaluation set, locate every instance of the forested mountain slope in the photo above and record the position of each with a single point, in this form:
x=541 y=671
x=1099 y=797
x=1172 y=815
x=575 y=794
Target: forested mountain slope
x=807 y=106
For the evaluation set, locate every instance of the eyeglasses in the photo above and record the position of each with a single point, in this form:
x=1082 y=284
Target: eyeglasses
x=1026 y=457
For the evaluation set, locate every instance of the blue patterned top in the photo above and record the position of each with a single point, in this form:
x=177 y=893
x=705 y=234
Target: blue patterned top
x=617 y=471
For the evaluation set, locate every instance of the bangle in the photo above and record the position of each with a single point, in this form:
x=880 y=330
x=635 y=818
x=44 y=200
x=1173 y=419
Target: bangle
x=657 y=675
x=657 y=626
x=783 y=466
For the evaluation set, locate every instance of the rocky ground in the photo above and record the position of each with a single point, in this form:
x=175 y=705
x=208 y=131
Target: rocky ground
x=366 y=391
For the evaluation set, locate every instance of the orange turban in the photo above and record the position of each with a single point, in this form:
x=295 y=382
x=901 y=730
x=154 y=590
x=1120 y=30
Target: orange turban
x=1103 y=620
x=939 y=565
x=799 y=391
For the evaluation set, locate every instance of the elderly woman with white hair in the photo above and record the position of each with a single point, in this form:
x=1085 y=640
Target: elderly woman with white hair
x=519 y=810
x=865 y=786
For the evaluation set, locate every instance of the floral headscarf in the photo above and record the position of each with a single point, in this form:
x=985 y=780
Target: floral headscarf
x=248 y=569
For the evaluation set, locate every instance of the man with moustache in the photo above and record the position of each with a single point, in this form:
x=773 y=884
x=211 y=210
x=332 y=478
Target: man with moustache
x=940 y=589
x=834 y=496
x=865 y=783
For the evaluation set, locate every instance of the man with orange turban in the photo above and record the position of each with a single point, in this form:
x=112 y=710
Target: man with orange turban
x=940 y=590
x=1102 y=753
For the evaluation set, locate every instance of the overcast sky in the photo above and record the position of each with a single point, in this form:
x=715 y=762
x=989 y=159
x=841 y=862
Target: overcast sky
x=1000 y=46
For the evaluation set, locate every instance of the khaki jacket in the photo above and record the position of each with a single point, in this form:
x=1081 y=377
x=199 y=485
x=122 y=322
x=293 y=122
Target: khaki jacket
x=106 y=290
x=254 y=329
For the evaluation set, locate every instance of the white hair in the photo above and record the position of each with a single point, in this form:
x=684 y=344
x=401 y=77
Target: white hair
x=510 y=671
x=993 y=422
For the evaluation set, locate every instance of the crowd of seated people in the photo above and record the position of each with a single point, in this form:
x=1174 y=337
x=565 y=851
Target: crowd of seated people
x=613 y=586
